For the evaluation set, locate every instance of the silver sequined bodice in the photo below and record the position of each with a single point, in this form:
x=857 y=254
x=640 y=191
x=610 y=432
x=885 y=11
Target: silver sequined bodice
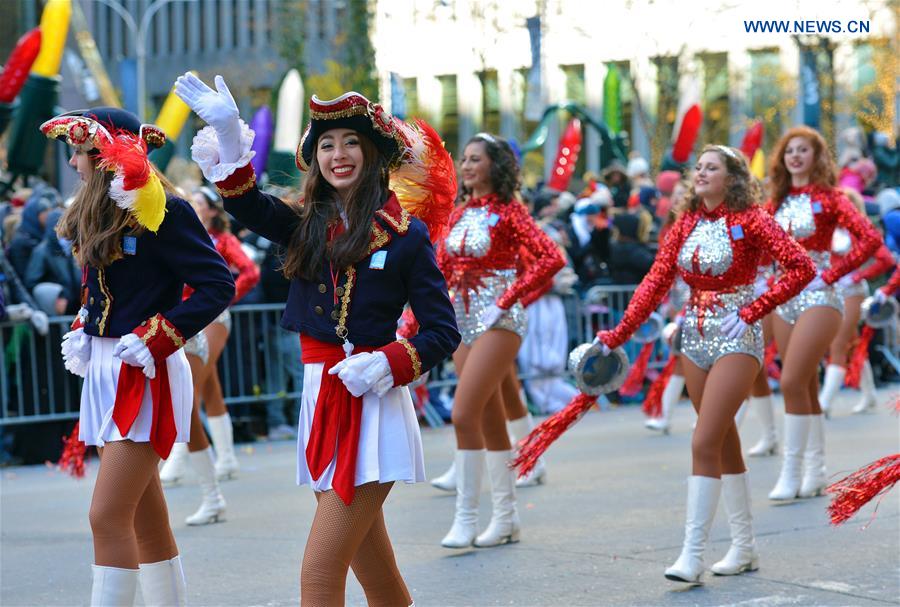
x=709 y=246
x=471 y=235
x=795 y=215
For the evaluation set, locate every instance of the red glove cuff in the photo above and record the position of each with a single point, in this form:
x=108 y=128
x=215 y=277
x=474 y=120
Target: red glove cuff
x=238 y=182
x=406 y=366
x=160 y=336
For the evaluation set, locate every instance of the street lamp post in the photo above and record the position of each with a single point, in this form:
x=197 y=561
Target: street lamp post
x=139 y=32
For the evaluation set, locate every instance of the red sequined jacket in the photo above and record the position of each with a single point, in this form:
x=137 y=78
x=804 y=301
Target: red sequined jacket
x=882 y=261
x=511 y=229
x=893 y=285
x=830 y=208
x=229 y=247
x=752 y=233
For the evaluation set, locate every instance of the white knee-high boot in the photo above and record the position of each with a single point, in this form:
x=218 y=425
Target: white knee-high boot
x=446 y=481
x=815 y=476
x=212 y=508
x=868 y=399
x=113 y=586
x=702 y=500
x=796 y=435
x=768 y=443
x=831 y=385
x=223 y=441
x=741 y=414
x=742 y=554
x=469 y=470
x=162 y=583
x=504 y=525
x=670 y=397
x=519 y=429
x=176 y=467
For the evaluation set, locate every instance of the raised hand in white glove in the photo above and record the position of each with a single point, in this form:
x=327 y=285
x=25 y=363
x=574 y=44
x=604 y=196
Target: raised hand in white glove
x=76 y=351
x=217 y=108
x=733 y=326
x=816 y=284
x=132 y=351
x=491 y=315
x=603 y=347
x=40 y=322
x=363 y=372
x=880 y=296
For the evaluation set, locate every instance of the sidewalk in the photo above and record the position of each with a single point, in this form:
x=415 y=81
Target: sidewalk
x=601 y=531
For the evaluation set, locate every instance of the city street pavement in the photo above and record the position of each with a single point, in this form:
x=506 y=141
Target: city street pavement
x=600 y=532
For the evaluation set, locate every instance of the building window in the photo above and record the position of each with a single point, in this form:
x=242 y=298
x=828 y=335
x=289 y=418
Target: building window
x=666 y=106
x=770 y=98
x=411 y=91
x=626 y=95
x=716 y=106
x=525 y=126
x=449 y=113
x=490 y=101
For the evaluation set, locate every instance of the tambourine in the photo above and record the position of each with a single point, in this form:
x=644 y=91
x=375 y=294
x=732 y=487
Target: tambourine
x=595 y=373
x=879 y=315
x=650 y=330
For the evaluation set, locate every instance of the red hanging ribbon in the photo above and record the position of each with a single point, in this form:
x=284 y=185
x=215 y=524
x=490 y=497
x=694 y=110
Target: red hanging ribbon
x=856 y=490
x=130 y=393
x=72 y=458
x=546 y=432
x=859 y=357
x=635 y=379
x=653 y=403
x=772 y=368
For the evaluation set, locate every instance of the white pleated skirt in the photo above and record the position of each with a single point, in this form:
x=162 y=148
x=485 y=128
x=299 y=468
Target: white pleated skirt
x=390 y=446
x=98 y=395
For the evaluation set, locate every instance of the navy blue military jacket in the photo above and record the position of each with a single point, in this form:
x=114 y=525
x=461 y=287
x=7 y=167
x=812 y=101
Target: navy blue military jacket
x=400 y=268
x=148 y=279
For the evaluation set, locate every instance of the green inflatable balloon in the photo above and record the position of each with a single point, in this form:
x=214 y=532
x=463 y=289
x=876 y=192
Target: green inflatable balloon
x=612 y=103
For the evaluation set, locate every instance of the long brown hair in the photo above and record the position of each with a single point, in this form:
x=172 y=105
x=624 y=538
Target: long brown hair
x=823 y=169
x=95 y=224
x=309 y=247
x=220 y=222
x=505 y=177
x=741 y=189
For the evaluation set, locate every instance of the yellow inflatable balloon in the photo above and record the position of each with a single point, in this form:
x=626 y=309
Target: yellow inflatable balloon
x=758 y=164
x=54 y=29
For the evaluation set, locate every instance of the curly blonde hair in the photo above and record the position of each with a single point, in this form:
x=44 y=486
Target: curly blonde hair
x=741 y=189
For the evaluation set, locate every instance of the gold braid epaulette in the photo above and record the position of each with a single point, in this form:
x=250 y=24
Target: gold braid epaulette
x=241 y=189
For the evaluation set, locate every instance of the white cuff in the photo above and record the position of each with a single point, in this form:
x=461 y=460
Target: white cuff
x=205 y=152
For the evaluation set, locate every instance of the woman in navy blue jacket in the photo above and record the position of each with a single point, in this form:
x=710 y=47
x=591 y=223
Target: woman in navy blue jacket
x=355 y=257
x=137 y=246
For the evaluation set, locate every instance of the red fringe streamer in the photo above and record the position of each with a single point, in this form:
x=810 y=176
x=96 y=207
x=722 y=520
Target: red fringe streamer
x=858 y=489
x=859 y=357
x=72 y=458
x=634 y=381
x=772 y=369
x=653 y=403
x=545 y=433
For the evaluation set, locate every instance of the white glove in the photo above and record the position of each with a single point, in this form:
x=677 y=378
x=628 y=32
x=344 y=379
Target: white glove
x=491 y=315
x=40 y=322
x=846 y=281
x=132 y=351
x=816 y=284
x=76 y=352
x=880 y=296
x=671 y=328
x=17 y=312
x=364 y=372
x=733 y=326
x=217 y=108
x=760 y=286
x=603 y=347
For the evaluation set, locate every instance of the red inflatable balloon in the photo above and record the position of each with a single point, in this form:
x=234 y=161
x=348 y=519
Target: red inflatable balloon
x=566 y=157
x=17 y=67
x=752 y=139
x=687 y=134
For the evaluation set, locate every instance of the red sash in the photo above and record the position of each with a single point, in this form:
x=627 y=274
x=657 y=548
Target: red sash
x=334 y=434
x=130 y=393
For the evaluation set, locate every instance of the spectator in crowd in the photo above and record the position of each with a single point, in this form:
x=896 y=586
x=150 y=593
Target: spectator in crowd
x=629 y=258
x=889 y=206
x=615 y=178
x=52 y=262
x=29 y=233
x=589 y=236
x=665 y=184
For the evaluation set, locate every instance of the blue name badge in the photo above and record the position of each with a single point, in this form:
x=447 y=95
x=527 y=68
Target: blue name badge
x=129 y=245
x=817 y=207
x=493 y=219
x=378 y=260
x=737 y=232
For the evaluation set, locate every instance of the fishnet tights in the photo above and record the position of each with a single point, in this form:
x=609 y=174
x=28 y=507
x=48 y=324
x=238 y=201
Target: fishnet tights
x=128 y=516
x=351 y=536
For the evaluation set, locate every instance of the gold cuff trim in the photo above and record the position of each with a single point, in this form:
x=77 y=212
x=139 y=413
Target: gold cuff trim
x=414 y=357
x=235 y=192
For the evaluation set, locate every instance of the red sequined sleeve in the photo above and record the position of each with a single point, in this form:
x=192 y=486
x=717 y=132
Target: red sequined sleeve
x=547 y=258
x=866 y=238
x=652 y=290
x=799 y=269
x=893 y=285
x=229 y=247
x=882 y=262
